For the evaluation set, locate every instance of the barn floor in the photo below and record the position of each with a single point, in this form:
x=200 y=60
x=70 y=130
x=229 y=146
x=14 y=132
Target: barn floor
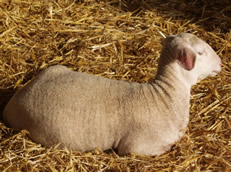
x=118 y=39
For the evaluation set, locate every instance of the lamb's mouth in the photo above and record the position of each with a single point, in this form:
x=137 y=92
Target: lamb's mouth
x=215 y=72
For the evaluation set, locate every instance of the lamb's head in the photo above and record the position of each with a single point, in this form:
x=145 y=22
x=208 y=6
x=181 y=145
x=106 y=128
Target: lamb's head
x=194 y=57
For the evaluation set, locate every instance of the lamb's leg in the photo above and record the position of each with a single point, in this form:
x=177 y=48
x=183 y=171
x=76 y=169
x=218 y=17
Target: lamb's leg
x=141 y=144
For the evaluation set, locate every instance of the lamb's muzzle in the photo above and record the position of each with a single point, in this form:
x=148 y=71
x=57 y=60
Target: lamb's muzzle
x=83 y=111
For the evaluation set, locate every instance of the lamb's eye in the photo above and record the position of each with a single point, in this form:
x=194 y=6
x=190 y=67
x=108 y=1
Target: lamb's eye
x=200 y=53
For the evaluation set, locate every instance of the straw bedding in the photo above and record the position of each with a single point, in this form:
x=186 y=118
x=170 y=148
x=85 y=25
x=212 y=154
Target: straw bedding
x=118 y=39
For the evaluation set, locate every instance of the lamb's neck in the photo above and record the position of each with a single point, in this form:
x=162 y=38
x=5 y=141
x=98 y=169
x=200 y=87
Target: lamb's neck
x=171 y=91
x=173 y=95
x=172 y=78
x=174 y=75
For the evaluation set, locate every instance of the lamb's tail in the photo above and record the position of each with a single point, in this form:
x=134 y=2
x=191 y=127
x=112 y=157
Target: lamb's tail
x=5 y=95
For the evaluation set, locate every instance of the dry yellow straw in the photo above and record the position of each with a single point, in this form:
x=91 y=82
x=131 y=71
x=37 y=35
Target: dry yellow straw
x=119 y=39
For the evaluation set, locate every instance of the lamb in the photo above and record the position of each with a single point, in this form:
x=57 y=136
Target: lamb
x=83 y=112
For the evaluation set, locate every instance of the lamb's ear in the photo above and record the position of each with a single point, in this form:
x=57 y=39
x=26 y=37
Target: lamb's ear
x=186 y=58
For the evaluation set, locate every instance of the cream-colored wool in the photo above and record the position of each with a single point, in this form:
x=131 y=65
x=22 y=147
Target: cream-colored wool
x=83 y=111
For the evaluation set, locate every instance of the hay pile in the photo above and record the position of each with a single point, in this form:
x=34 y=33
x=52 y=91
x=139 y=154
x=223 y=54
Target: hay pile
x=119 y=39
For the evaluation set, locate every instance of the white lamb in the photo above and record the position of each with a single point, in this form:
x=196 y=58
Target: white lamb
x=82 y=111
